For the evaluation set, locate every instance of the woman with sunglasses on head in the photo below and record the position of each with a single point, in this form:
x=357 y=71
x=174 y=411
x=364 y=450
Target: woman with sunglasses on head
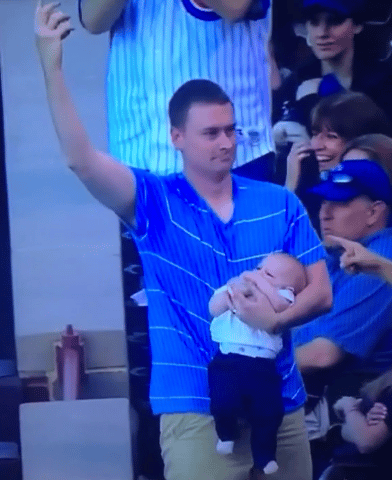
x=335 y=120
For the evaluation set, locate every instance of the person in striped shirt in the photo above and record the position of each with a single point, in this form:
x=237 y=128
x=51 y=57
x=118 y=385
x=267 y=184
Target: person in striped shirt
x=195 y=230
x=156 y=46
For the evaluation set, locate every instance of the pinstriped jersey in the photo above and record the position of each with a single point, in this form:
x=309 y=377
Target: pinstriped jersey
x=187 y=253
x=156 y=46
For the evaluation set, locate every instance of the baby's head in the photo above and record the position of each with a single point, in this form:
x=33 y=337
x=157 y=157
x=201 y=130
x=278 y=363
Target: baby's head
x=283 y=270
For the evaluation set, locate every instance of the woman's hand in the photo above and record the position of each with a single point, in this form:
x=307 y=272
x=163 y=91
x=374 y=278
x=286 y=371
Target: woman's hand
x=299 y=151
x=376 y=414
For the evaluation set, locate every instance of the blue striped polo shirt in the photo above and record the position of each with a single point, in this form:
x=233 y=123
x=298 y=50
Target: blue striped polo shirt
x=187 y=252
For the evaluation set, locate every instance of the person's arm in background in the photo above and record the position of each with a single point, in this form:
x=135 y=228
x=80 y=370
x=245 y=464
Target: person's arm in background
x=320 y=353
x=98 y=16
x=357 y=258
x=355 y=324
x=356 y=429
x=112 y=183
x=232 y=10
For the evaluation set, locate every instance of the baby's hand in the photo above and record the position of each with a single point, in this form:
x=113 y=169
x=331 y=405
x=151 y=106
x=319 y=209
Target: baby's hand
x=376 y=414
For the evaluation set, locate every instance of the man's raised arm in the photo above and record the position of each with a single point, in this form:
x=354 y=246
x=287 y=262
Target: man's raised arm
x=98 y=16
x=110 y=182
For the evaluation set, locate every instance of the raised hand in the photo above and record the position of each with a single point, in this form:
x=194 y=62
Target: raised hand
x=51 y=27
x=376 y=414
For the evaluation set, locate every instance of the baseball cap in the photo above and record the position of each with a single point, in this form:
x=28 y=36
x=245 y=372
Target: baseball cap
x=344 y=7
x=353 y=178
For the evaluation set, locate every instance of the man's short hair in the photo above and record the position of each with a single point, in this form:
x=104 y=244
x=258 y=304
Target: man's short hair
x=350 y=115
x=194 y=91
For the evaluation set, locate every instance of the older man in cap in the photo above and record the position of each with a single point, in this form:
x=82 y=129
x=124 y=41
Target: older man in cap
x=356 y=205
x=352 y=342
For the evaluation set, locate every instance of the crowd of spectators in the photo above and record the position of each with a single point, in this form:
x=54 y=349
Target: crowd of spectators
x=333 y=141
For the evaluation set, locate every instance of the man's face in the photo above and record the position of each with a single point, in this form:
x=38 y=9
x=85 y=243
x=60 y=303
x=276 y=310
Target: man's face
x=331 y=35
x=328 y=146
x=207 y=140
x=345 y=219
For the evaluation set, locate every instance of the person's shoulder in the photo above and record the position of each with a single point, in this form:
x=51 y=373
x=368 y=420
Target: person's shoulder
x=380 y=242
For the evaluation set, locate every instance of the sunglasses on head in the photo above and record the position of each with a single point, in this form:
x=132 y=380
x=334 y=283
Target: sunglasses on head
x=335 y=177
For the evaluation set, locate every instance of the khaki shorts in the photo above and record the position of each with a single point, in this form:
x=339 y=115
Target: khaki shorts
x=188 y=449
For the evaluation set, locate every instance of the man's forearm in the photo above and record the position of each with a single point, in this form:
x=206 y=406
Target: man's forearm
x=70 y=131
x=98 y=16
x=310 y=303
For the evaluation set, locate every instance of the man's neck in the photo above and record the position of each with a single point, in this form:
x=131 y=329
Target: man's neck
x=341 y=67
x=216 y=190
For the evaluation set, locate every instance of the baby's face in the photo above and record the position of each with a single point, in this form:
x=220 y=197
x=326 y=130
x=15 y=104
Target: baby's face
x=276 y=271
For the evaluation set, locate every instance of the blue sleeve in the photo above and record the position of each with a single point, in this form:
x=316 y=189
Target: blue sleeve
x=301 y=240
x=359 y=316
x=148 y=202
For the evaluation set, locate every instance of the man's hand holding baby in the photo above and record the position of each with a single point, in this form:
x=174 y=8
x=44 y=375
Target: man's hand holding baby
x=252 y=307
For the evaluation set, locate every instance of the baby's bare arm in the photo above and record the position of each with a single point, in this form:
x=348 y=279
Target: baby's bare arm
x=219 y=303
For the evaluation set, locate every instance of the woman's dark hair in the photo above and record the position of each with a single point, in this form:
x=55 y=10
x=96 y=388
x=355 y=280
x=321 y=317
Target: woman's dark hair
x=194 y=91
x=350 y=115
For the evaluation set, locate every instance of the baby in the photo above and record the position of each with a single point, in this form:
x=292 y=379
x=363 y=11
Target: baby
x=243 y=379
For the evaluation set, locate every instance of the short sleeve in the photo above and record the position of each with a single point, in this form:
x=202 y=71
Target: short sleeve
x=149 y=202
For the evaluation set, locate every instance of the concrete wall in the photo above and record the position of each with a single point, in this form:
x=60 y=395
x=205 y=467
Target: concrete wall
x=65 y=246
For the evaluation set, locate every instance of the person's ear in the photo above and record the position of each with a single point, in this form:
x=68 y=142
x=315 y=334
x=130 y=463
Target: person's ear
x=177 y=137
x=377 y=211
